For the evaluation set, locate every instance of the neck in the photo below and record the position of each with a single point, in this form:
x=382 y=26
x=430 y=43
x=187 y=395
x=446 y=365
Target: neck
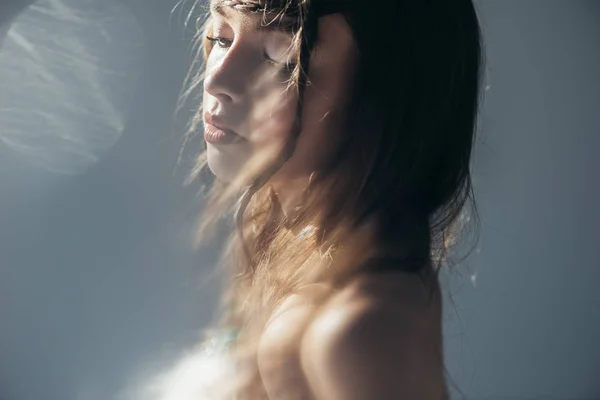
x=289 y=196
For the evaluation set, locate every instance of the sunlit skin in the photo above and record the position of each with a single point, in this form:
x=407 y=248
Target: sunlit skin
x=251 y=94
x=376 y=339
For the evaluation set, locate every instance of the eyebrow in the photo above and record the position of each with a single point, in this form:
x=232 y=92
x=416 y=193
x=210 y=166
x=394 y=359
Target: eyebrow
x=284 y=23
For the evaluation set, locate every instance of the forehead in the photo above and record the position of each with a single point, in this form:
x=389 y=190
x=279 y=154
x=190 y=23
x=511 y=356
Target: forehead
x=273 y=16
x=256 y=5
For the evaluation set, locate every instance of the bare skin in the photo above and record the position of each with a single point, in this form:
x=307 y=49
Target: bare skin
x=250 y=94
x=378 y=338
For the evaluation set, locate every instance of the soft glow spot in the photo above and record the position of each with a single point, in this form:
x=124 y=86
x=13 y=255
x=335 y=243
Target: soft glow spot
x=68 y=72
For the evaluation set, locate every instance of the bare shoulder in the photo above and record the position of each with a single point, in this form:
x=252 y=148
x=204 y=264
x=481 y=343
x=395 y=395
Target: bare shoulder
x=380 y=337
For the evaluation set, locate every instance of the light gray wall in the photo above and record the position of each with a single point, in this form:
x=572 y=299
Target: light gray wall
x=97 y=278
x=529 y=328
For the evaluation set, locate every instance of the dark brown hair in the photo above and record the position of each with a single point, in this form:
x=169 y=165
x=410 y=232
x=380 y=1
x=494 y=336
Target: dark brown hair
x=403 y=167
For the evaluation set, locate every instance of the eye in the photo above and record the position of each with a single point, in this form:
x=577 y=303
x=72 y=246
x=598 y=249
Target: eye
x=221 y=42
x=285 y=66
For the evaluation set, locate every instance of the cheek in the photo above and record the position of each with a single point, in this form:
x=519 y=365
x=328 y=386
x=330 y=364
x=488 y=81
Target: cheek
x=268 y=127
x=325 y=112
x=322 y=121
x=272 y=117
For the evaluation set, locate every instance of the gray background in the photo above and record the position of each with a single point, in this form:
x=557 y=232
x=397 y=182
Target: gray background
x=97 y=278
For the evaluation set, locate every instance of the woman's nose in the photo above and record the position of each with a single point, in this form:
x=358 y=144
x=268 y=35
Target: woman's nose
x=224 y=78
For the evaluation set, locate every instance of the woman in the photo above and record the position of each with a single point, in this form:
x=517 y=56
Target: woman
x=341 y=133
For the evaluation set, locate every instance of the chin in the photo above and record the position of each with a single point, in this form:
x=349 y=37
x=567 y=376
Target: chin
x=227 y=163
x=221 y=165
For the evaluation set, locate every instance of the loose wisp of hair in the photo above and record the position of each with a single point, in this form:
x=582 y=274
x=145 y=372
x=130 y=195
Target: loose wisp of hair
x=402 y=169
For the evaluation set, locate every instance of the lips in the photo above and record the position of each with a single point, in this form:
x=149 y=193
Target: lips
x=218 y=122
x=217 y=131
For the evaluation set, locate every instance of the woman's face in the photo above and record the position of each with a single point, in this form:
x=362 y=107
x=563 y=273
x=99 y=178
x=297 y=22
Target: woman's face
x=246 y=92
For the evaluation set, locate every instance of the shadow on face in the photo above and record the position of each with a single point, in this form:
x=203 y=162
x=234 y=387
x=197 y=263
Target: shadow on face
x=247 y=88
